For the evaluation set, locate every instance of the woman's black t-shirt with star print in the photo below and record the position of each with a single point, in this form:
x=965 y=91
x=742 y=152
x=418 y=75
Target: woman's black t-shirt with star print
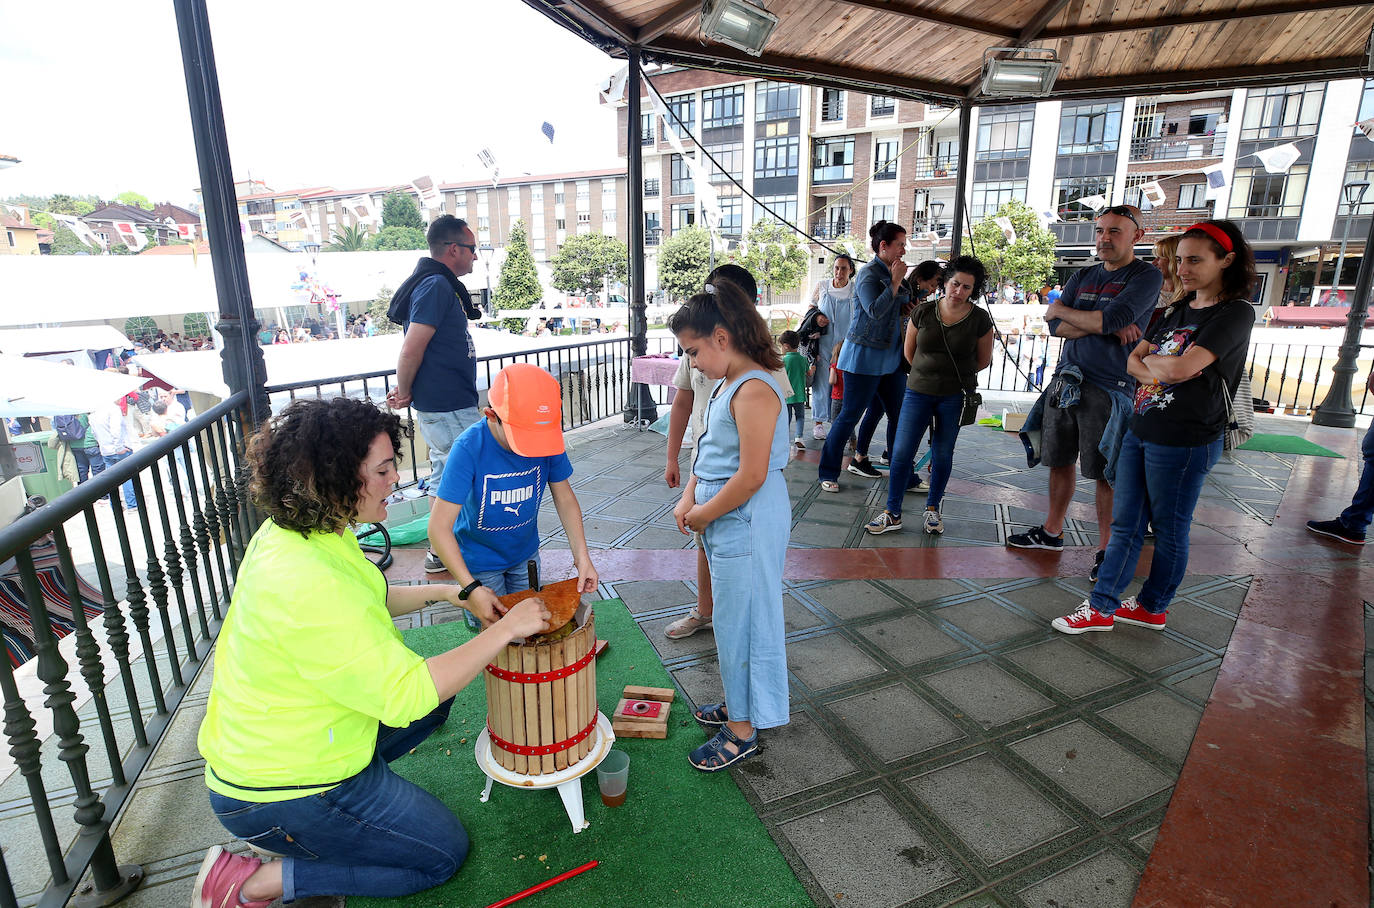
x=1193 y=412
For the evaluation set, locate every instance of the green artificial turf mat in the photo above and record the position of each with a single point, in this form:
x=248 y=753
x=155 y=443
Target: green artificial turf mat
x=1286 y=444
x=683 y=837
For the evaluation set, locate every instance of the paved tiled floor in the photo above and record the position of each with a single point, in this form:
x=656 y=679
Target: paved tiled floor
x=946 y=746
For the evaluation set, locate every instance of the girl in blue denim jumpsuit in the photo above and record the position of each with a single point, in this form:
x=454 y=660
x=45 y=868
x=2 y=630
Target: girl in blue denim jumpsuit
x=738 y=501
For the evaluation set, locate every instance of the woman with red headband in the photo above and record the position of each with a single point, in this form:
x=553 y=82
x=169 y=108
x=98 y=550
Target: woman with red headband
x=1187 y=368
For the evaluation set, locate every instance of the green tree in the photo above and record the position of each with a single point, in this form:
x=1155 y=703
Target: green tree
x=381 y=322
x=352 y=238
x=135 y=199
x=684 y=260
x=518 y=286
x=400 y=210
x=585 y=260
x=1028 y=262
x=397 y=238
x=774 y=269
x=64 y=242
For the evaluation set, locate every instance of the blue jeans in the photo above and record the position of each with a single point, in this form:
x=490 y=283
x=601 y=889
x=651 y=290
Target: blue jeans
x=128 y=487
x=507 y=580
x=859 y=391
x=887 y=399
x=440 y=431
x=89 y=462
x=820 y=392
x=1158 y=485
x=1361 y=510
x=374 y=835
x=919 y=411
x=796 y=413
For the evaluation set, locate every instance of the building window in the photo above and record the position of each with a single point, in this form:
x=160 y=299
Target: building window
x=683 y=216
x=832 y=160
x=537 y=194
x=722 y=107
x=1204 y=122
x=558 y=198
x=836 y=224
x=776 y=101
x=1069 y=193
x=653 y=230
x=729 y=159
x=1358 y=170
x=784 y=207
x=882 y=106
x=651 y=188
x=1366 y=103
x=9 y=237
x=1005 y=134
x=646 y=129
x=1086 y=128
x=732 y=215
x=777 y=157
x=584 y=217
x=560 y=223
x=584 y=194
x=681 y=108
x=1283 y=111
x=832 y=105
x=608 y=216
x=883 y=213
x=484 y=223
x=885 y=160
x=1192 y=195
x=990 y=195
x=681 y=177
x=1258 y=194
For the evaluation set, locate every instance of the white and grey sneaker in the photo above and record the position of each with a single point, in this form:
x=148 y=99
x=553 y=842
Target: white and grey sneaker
x=883 y=523
x=933 y=524
x=433 y=565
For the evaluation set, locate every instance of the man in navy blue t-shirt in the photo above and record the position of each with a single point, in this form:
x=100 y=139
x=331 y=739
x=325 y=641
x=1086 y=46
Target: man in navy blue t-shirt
x=1102 y=313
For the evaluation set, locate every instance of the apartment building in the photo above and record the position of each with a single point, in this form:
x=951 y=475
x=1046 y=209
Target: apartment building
x=833 y=162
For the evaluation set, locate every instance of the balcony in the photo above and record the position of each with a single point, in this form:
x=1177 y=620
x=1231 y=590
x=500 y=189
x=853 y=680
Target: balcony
x=1178 y=148
x=830 y=230
x=936 y=167
x=1174 y=220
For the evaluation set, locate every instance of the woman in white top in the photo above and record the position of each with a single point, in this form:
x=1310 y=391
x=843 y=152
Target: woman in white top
x=834 y=296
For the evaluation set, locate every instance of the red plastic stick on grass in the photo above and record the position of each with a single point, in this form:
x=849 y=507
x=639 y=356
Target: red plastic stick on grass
x=542 y=886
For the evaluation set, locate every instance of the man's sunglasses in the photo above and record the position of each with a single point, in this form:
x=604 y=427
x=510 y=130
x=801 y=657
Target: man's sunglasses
x=473 y=246
x=1123 y=211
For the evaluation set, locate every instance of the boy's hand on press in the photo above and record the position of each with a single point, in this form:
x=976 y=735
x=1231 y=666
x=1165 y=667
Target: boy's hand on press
x=587 y=577
x=527 y=617
x=483 y=603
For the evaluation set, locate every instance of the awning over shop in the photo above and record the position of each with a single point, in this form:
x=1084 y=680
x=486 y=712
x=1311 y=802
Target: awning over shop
x=32 y=341
x=1312 y=316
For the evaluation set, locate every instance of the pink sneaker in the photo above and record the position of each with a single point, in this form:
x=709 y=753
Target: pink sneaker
x=1085 y=619
x=221 y=878
x=1132 y=612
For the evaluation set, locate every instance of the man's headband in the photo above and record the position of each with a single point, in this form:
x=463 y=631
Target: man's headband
x=1216 y=233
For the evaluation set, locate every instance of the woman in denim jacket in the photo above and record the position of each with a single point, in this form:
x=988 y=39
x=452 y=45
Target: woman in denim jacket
x=872 y=348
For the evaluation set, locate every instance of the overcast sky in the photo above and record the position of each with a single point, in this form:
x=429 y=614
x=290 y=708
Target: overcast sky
x=344 y=94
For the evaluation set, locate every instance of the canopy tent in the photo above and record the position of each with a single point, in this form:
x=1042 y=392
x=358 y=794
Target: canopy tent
x=36 y=341
x=934 y=49
x=289 y=364
x=92 y=288
x=34 y=387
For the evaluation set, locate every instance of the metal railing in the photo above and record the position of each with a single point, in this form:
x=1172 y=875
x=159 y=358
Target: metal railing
x=594 y=376
x=1177 y=148
x=191 y=486
x=930 y=168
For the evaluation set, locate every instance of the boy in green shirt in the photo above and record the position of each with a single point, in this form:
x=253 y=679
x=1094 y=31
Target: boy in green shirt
x=799 y=371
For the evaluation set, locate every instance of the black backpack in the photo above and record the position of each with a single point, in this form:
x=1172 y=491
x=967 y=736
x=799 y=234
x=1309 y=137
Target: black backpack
x=69 y=428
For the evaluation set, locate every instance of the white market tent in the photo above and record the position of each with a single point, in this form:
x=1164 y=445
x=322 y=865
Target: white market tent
x=36 y=341
x=37 y=388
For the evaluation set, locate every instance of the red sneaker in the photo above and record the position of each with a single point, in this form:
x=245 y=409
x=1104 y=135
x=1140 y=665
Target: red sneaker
x=221 y=878
x=1085 y=619
x=1132 y=612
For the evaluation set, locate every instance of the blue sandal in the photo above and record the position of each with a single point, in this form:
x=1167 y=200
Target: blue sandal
x=713 y=755
x=712 y=715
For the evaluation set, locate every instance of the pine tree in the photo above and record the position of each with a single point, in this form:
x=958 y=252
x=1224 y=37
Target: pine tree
x=518 y=287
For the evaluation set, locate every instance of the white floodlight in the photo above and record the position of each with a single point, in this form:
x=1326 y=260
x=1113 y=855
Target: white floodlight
x=737 y=23
x=1023 y=72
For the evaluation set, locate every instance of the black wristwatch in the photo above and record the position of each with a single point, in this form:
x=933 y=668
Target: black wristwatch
x=466 y=591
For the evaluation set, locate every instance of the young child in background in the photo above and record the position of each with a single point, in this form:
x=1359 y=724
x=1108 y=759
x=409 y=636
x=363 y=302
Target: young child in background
x=799 y=371
x=737 y=499
x=484 y=523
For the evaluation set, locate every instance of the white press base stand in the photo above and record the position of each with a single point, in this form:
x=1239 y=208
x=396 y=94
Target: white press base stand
x=567 y=781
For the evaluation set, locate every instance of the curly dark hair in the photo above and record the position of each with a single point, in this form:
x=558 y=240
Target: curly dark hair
x=967 y=264
x=307 y=459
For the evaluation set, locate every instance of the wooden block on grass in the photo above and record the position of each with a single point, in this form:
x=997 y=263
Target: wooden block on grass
x=662 y=694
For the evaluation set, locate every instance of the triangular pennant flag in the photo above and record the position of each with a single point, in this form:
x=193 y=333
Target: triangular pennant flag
x=83 y=231
x=849 y=247
x=1279 y=158
x=186 y=231
x=1216 y=176
x=18 y=212
x=1049 y=216
x=1152 y=192
x=424 y=187
x=1008 y=230
x=614 y=87
x=361 y=208
x=1095 y=202
x=1366 y=127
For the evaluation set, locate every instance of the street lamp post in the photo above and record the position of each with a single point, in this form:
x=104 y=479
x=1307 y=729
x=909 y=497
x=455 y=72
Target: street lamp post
x=933 y=224
x=1338 y=408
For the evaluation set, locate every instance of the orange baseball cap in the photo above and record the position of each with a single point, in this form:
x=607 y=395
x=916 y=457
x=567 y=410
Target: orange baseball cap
x=528 y=402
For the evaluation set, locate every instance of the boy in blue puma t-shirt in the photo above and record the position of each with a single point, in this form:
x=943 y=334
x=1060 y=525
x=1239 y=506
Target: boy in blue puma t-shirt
x=484 y=523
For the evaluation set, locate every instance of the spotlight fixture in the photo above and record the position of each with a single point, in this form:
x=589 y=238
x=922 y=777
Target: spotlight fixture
x=737 y=23
x=1022 y=72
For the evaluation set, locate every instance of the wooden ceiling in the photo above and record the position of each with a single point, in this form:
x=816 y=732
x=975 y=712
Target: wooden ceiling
x=933 y=49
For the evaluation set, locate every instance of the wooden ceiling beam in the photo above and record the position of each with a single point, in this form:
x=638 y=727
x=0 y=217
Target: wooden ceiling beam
x=801 y=69
x=595 y=15
x=666 y=20
x=1198 y=80
x=930 y=15
x=1285 y=8
x=1039 y=22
